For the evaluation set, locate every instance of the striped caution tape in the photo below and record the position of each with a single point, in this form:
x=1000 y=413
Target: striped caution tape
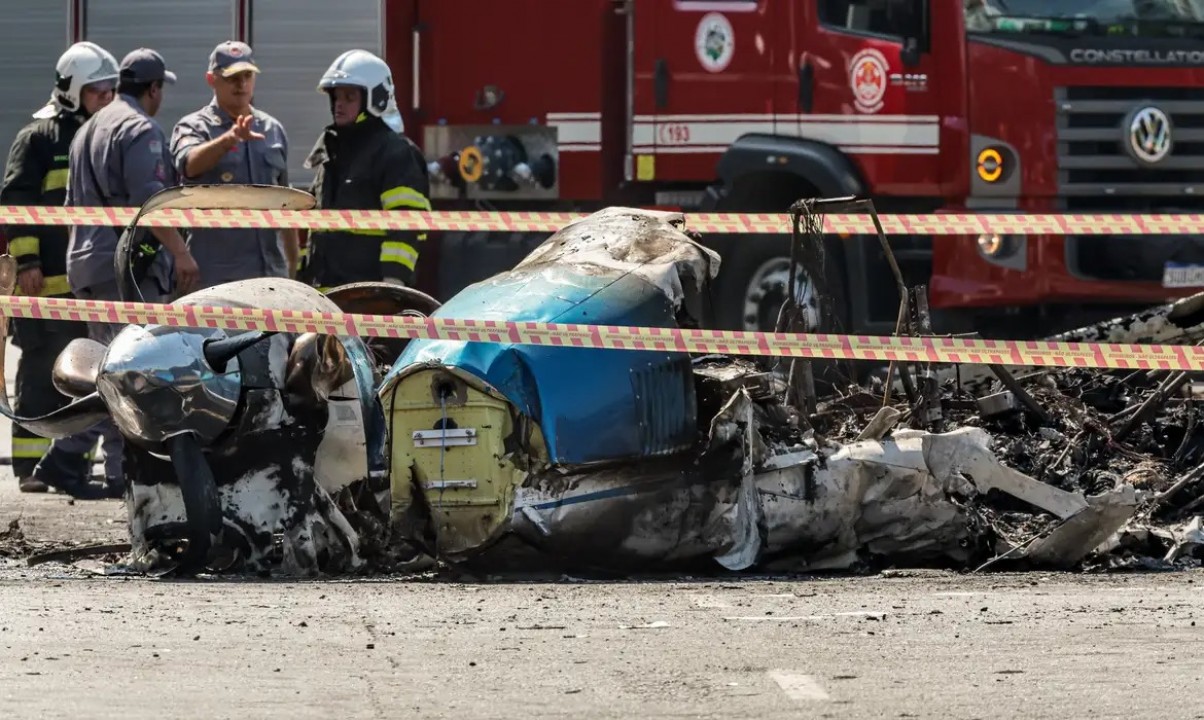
x=851 y=347
x=719 y=223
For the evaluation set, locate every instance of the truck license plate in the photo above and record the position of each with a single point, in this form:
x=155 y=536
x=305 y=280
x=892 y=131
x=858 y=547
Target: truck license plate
x=1176 y=275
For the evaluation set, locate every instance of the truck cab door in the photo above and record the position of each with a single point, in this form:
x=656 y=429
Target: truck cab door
x=704 y=74
x=875 y=96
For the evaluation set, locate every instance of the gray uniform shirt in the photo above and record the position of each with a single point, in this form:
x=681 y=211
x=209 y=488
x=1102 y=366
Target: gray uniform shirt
x=128 y=157
x=229 y=254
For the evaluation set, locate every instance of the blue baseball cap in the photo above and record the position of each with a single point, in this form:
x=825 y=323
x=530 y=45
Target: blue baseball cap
x=145 y=65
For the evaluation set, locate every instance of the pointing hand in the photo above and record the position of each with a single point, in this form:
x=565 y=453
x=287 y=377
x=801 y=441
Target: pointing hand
x=242 y=129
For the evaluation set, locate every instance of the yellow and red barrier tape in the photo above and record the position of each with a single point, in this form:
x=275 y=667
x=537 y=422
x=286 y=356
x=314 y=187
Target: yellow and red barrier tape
x=724 y=223
x=852 y=347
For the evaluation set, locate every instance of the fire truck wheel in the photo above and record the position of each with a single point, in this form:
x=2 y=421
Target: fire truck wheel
x=754 y=280
x=754 y=276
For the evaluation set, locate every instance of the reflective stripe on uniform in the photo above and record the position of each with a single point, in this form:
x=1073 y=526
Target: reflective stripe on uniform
x=55 y=180
x=30 y=448
x=53 y=285
x=56 y=285
x=370 y=233
x=24 y=245
x=403 y=196
x=399 y=252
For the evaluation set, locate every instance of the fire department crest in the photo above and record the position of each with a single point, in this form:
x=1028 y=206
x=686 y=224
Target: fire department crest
x=714 y=42
x=867 y=77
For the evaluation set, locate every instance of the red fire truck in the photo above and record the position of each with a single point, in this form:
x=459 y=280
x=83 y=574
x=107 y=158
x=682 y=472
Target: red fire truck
x=748 y=105
x=743 y=105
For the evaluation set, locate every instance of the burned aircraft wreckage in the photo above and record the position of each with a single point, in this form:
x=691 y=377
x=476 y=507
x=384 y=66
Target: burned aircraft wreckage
x=295 y=452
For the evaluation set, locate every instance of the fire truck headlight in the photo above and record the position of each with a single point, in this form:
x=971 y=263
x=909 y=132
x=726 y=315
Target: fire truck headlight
x=993 y=246
x=990 y=245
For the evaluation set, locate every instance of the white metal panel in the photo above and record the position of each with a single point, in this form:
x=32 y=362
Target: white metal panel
x=184 y=32
x=294 y=42
x=34 y=35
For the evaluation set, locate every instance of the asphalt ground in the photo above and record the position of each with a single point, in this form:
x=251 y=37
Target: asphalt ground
x=921 y=644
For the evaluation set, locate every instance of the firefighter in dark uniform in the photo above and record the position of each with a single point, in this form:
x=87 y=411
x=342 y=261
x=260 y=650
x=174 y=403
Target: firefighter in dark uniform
x=363 y=162
x=36 y=174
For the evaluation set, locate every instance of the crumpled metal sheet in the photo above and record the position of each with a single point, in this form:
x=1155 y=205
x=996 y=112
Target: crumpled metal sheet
x=661 y=512
x=615 y=241
x=913 y=498
x=1071 y=541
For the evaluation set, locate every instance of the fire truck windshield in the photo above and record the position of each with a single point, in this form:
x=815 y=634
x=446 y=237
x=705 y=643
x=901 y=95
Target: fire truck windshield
x=1140 y=18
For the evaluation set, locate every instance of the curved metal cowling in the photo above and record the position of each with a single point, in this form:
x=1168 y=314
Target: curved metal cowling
x=616 y=267
x=158 y=384
x=196 y=197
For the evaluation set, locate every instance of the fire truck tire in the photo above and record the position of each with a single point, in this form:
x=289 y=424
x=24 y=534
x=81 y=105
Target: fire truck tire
x=754 y=275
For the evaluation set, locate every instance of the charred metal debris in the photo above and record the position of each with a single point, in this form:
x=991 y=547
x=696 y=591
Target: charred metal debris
x=342 y=455
x=1126 y=447
x=672 y=460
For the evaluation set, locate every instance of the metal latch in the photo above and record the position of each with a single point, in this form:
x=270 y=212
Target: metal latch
x=447 y=437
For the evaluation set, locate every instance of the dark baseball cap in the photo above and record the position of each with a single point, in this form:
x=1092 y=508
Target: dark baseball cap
x=145 y=65
x=232 y=57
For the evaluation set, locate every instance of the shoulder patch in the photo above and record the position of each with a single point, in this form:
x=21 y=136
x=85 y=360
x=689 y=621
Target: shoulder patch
x=156 y=146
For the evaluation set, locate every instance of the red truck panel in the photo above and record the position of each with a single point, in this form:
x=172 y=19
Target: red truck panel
x=728 y=69
x=706 y=72
x=553 y=62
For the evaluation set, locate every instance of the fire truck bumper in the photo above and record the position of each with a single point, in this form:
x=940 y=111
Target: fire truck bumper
x=1036 y=270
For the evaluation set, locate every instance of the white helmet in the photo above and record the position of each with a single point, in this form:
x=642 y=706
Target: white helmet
x=360 y=68
x=82 y=64
x=393 y=119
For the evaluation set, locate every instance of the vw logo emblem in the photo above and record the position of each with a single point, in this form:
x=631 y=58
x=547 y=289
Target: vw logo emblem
x=1149 y=135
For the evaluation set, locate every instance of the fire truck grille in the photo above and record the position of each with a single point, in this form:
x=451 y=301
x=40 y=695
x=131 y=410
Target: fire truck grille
x=1132 y=258
x=1095 y=153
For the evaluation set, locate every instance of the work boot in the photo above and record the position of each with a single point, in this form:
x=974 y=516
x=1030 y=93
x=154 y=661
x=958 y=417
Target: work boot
x=76 y=488
x=69 y=473
x=85 y=490
x=32 y=485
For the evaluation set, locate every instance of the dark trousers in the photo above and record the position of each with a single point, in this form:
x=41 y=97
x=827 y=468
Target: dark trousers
x=57 y=460
x=40 y=342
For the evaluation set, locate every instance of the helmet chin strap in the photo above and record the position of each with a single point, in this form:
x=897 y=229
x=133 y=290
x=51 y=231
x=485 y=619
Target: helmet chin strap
x=363 y=109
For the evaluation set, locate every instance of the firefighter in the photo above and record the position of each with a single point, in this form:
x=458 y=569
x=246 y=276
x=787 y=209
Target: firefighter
x=231 y=141
x=37 y=174
x=980 y=15
x=119 y=159
x=363 y=163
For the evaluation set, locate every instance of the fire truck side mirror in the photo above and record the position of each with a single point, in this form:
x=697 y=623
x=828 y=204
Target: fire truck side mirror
x=910 y=55
x=910 y=17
